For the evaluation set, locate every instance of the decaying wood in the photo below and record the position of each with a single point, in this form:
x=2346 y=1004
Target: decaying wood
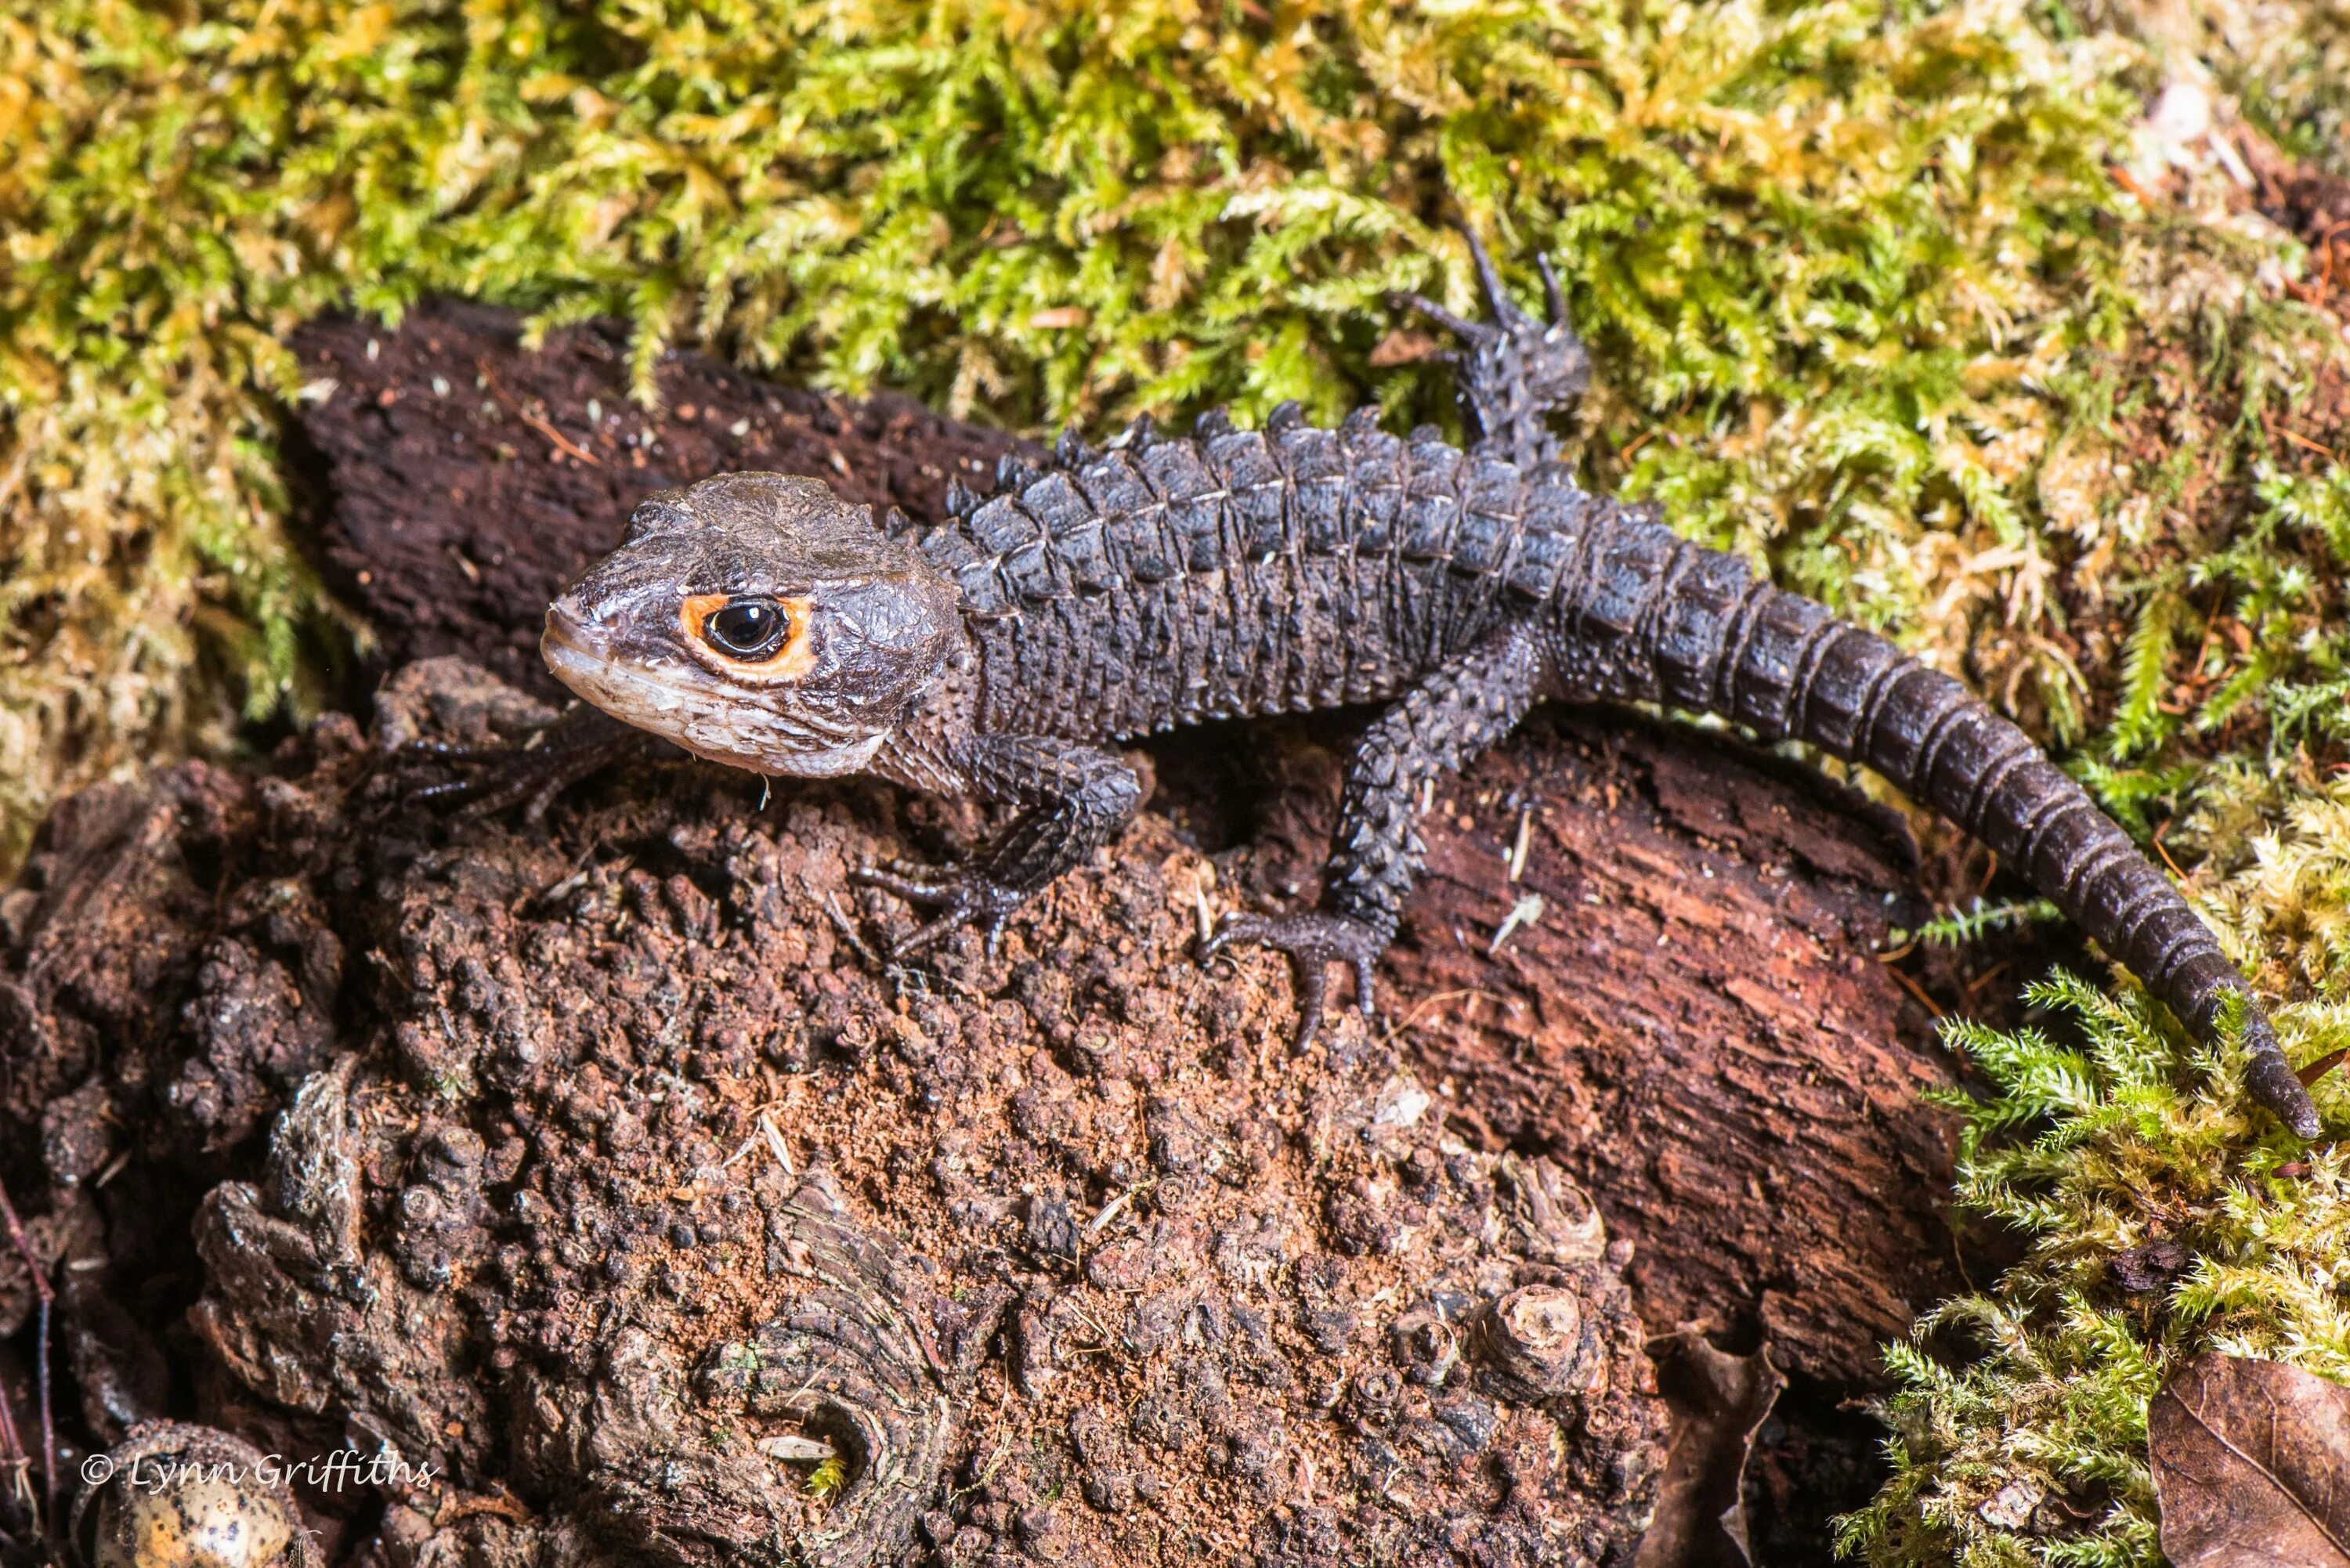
x=554 y=1091
x=1697 y=1022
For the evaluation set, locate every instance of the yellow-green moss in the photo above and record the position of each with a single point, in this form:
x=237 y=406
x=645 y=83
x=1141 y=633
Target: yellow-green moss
x=1822 y=249
x=1866 y=297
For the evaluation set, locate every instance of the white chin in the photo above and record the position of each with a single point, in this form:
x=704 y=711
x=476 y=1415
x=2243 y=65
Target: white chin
x=831 y=763
x=742 y=736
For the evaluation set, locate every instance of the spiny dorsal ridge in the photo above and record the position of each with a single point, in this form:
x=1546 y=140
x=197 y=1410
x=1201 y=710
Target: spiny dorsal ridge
x=1361 y=422
x=1071 y=450
x=1212 y=424
x=1285 y=417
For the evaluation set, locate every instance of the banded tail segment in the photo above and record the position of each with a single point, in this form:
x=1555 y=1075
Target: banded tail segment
x=1701 y=632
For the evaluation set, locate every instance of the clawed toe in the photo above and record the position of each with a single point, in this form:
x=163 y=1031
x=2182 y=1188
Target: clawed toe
x=577 y=744
x=907 y=882
x=504 y=780
x=1507 y=317
x=439 y=751
x=1509 y=320
x=1513 y=371
x=1553 y=296
x=961 y=899
x=924 y=937
x=1313 y=940
x=1460 y=327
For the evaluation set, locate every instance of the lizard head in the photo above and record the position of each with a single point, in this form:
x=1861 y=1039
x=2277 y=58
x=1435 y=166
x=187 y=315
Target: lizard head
x=759 y=620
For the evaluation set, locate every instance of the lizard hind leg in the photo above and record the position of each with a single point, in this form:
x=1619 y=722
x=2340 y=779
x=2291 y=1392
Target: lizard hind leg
x=1464 y=706
x=1513 y=372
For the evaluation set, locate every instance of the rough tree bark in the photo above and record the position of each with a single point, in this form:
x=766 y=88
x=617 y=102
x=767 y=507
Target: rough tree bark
x=604 y=1168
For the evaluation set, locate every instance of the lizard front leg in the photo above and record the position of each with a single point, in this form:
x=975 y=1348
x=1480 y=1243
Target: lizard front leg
x=1441 y=724
x=1073 y=799
x=579 y=741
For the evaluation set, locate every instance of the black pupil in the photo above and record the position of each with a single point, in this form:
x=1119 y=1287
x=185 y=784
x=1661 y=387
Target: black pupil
x=746 y=626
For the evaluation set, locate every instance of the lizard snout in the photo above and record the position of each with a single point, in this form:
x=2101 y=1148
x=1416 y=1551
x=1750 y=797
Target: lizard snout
x=570 y=618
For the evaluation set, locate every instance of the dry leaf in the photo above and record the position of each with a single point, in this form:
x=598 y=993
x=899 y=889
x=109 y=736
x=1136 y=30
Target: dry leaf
x=1402 y=346
x=1717 y=1401
x=2252 y=1466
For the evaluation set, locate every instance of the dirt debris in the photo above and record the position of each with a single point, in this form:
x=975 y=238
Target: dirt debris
x=623 y=1172
x=481 y=1144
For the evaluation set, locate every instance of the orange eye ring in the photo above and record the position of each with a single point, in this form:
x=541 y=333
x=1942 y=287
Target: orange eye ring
x=785 y=653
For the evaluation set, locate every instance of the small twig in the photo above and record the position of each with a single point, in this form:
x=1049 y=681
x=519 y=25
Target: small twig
x=1109 y=1211
x=2121 y=177
x=497 y=1501
x=12 y=1455
x=783 y=1151
x=46 y=1300
x=2158 y=848
x=561 y=440
x=1987 y=976
x=1526 y=911
x=1990 y=875
x=841 y=923
x=1411 y=1018
x=2299 y=440
x=557 y=437
x=1914 y=989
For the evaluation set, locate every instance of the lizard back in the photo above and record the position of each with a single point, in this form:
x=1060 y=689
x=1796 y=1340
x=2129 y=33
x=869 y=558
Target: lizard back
x=1166 y=580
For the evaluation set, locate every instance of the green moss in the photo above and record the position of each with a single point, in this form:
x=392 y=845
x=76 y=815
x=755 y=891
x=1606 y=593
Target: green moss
x=1866 y=299
x=2020 y=1424
x=2019 y=1418
x=1822 y=249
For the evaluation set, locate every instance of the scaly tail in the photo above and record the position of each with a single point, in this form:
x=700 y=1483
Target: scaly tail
x=1700 y=631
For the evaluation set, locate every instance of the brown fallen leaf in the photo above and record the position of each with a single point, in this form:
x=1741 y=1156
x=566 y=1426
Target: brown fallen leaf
x=1717 y=1401
x=2252 y=1466
x=1403 y=347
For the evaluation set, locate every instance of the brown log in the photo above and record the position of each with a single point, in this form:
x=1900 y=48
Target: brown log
x=1695 y=1031
x=1699 y=1023
x=1701 y=1027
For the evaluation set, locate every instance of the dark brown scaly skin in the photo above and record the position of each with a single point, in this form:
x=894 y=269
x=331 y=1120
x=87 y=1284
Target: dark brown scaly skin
x=1167 y=580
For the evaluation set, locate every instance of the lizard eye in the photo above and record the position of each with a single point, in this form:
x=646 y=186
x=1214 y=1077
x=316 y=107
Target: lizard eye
x=747 y=628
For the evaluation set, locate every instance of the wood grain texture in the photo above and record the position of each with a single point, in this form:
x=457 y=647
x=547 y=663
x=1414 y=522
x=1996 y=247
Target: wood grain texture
x=1699 y=1022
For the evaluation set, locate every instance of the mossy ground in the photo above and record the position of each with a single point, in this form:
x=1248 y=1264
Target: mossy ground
x=1904 y=299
